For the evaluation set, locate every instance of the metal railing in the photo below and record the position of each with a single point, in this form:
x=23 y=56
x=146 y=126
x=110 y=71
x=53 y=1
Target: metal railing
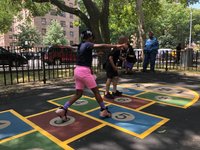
x=37 y=69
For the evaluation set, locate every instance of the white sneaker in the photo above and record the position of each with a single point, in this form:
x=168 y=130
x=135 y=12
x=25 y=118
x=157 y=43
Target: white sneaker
x=62 y=113
x=105 y=113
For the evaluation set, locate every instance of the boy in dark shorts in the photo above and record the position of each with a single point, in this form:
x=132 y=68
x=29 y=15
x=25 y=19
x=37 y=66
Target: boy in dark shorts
x=112 y=73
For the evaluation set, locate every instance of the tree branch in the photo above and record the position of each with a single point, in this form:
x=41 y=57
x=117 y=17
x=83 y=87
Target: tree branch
x=92 y=9
x=68 y=9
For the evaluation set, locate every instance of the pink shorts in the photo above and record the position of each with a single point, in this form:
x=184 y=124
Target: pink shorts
x=83 y=77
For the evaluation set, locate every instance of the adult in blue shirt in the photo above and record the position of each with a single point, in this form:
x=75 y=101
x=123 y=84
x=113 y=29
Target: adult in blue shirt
x=150 y=52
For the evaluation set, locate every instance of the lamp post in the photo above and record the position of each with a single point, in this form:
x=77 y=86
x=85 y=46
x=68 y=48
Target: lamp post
x=190 y=37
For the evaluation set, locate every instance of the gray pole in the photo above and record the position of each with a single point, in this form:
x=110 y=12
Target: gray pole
x=190 y=37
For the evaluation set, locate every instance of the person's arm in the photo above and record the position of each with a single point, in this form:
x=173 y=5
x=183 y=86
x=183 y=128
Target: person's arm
x=155 y=44
x=108 y=45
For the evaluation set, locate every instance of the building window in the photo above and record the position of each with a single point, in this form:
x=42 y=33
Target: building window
x=62 y=14
x=71 y=5
x=71 y=25
x=53 y=12
x=44 y=31
x=71 y=16
x=63 y=23
x=43 y=21
x=71 y=34
x=15 y=37
x=64 y=33
x=10 y=37
x=12 y=44
x=71 y=42
x=52 y=20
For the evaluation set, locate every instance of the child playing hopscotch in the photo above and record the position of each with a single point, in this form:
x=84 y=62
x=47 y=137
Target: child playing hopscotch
x=83 y=75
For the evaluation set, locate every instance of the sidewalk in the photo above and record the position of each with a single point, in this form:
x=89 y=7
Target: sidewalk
x=174 y=125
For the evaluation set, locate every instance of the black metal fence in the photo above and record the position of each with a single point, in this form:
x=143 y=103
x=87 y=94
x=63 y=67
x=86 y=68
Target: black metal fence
x=38 y=66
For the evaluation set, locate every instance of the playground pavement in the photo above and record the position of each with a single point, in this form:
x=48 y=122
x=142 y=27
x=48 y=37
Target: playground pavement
x=174 y=128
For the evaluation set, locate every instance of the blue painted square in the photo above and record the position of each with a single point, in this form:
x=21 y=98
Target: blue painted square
x=137 y=123
x=10 y=125
x=127 y=91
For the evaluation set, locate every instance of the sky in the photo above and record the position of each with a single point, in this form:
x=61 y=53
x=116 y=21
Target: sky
x=195 y=6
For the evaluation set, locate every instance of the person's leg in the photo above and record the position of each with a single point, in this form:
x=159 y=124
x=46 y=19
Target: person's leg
x=152 y=61
x=109 y=74
x=90 y=83
x=104 y=110
x=107 y=94
x=108 y=82
x=62 y=111
x=115 y=83
x=98 y=97
x=146 y=61
x=75 y=97
x=130 y=67
x=126 y=67
x=178 y=57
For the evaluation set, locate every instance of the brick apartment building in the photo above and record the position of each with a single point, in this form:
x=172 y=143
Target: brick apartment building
x=41 y=23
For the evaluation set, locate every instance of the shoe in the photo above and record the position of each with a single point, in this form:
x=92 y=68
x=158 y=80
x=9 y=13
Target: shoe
x=143 y=70
x=62 y=113
x=117 y=93
x=152 y=71
x=105 y=112
x=109 y=96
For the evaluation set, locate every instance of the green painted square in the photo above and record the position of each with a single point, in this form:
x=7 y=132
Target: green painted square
x=30 y=141
x=82 y=105
x=178 y=101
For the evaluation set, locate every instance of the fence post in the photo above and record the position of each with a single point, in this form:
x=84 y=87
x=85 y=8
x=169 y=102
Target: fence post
x=166 y=61
x=44 y=70
x=4 y=75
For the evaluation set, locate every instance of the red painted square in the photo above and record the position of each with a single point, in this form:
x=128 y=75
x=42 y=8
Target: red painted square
x=63 y=133
x=130 y=102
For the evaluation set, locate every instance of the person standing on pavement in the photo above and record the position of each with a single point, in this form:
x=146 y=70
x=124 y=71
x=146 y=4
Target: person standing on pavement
x=112 y=69
x=83 y=75
x=130 y=59
x=150 y=51
x=178 y=53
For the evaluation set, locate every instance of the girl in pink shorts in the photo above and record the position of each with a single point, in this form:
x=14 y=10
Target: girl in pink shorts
x=83 y=74
x=83 y=77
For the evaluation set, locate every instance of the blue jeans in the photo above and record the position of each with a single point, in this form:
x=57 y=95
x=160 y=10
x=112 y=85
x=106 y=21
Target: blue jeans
x=149 y=57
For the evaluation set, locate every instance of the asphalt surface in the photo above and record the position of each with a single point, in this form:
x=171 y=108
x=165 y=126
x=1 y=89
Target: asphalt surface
x=182 y=132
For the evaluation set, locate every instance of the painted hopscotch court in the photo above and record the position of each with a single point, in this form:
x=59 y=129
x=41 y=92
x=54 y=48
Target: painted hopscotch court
x=45 y=132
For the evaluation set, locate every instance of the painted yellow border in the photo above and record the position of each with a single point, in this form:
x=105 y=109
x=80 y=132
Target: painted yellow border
x=140 y=108
x=104 y=123
x=143 y=135
x=36 y=128
x=194 y=100
x=64 y=145
x=17 y=136
x=84 y=133
x=163 y=85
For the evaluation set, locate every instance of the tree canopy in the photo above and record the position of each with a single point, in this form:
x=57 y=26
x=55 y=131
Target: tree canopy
x=54 y=35
x=28 y=36
x=109 y=19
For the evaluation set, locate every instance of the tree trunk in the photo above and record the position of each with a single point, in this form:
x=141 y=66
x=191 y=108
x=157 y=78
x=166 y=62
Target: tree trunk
x=105 y=31
x=140 y=15
x=95 y=20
